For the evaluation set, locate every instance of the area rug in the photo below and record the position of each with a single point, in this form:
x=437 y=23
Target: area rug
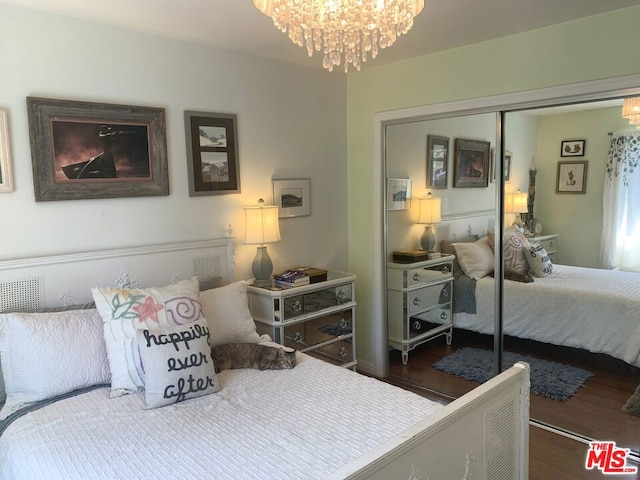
x=549 y=379
x=632 y=407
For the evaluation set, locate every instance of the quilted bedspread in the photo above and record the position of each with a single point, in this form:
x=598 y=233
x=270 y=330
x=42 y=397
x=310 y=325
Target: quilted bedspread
x=594 y=309
x=290 y=424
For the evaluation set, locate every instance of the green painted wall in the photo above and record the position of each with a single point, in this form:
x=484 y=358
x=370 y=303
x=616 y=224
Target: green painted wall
x=598 y=47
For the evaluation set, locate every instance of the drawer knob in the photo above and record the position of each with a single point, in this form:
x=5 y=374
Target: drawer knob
x=417 y=325
x=416 y=301
x=444 y=316
x=445 y=270
x=297 y=337
x=341 y=295
x=343 y=323
x=444 y=292
x=416 y=277
x=297 y=306
x=342 y=352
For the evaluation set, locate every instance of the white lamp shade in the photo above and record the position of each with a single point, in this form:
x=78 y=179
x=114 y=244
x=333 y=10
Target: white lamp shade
x=631 y=110
x=261 y=225
x=516 y=202
x=430 y=210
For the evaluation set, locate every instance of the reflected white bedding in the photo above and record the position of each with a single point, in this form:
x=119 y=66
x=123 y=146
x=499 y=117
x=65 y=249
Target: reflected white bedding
x=597 y=310
x=301 y=423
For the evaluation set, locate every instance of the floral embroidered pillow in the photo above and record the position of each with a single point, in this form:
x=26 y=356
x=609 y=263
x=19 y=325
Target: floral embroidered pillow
x=127 y=310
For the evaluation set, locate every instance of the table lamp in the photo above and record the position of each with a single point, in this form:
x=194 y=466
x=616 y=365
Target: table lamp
x=429 y=215
x=262 y=227
x=516 y=203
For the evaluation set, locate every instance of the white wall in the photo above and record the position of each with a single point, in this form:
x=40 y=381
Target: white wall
x=291 y=124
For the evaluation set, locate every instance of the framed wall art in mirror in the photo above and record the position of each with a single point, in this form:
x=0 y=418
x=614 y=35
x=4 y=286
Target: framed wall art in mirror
x=471 y=164
x=572 y=177
x=572 y=148
x=398 y=193
x=6 y=175
x=84 y=150
x=437 y=161
x=212 y=153
x=293 y=197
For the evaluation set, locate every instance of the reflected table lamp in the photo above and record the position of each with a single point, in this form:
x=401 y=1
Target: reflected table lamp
x=429 y=215
x=516 y=203
x=262 y=227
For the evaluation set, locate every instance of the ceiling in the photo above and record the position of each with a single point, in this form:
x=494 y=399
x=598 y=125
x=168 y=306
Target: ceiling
x=238 y=25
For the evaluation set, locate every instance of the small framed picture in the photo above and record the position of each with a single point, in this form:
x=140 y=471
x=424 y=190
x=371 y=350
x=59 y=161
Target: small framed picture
x=572 y=177
x=212 y=153
x=6 y=176
x=293 y=197
x=437 y=161
x=507 y=165
x=398 y=193
x=471 y=165
x=572 y=148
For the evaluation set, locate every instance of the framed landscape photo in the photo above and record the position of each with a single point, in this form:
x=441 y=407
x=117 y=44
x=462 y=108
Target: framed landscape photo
x=572 y=148
x=293 y=197
x=398 y=193
x=6 y=175
x=437 y=161
x=83 y=150
x=212 y=153
x=572 y=177
x=471 y=165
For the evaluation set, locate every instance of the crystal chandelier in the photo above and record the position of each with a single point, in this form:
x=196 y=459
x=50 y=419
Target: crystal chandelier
x=631 y=111
x=346 y=31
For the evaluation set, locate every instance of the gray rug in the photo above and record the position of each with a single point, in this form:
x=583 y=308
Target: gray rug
x=632 y=407
x=549 y=379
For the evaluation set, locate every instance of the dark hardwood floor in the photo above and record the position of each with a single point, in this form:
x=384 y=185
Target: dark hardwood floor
x=593 y=413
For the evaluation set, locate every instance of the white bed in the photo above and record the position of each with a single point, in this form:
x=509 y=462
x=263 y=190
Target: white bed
x=314 y=421
x=593 y=309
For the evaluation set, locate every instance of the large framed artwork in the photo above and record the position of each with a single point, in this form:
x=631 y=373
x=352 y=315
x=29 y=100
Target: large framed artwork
x=572 y=177
x=212 y=153
x=437 y=161
x=293 y=197
x=6 y=176
x=83 y=150
x=471 y=166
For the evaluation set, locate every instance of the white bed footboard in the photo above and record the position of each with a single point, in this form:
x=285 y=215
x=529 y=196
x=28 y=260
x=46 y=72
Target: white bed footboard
x=482 y=435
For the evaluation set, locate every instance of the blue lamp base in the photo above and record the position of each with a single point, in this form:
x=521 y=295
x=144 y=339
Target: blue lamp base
x=428 y=239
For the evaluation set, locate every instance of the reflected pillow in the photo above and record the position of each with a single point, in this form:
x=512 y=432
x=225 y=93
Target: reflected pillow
x=538 y=260
x=476 y=259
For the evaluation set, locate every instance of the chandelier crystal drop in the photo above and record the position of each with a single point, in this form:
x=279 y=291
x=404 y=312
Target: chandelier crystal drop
x=346 y=31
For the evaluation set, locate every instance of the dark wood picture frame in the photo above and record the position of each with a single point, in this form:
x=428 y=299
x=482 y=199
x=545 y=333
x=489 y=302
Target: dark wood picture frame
x=507 y=165
x=572 y=177
x=84 y=150
x=471 y=165
x=212 y=153
x=437 y=161
x=572 y=148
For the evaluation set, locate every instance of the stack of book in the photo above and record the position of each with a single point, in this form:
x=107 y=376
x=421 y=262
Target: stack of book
x=291 y=278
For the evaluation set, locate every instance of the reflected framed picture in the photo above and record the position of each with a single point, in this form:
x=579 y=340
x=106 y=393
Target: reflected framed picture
x=572 y=177
x=83 y=150
x=572 y=148
x=471 y=165
x=293 y=197
x=6 y=175
x=437 y=161
x=212 y=153
x=398 y=193
x=507 y=165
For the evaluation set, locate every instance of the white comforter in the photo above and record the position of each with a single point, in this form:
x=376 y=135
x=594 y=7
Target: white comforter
x=597 y=310
x=300 y=423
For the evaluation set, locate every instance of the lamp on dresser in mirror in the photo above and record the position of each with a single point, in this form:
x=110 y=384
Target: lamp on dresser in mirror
x=429 y=214
x=516 y=203
x=262 y=227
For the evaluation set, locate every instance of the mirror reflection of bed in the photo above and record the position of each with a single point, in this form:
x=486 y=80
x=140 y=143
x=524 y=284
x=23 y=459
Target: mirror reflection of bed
x=580 y=314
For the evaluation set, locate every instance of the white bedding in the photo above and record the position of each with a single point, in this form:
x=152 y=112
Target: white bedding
x=594 y=309
x=300 y=423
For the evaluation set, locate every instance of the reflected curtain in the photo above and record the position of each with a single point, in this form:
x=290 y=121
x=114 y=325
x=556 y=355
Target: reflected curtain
x=620 y=247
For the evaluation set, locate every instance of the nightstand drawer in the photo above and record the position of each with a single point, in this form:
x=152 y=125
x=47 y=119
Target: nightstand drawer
x=316 y=301
x=427 y=321
x=418 y=300
x=550 y=245
x=417 y=276
x=338 y=353
x=319 y=330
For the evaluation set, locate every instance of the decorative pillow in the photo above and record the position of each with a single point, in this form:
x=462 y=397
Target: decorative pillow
x=476 y=259
x=538 y=260
x=515 y=243
x=48 y=354
x=177 y=364
x=227 y=311
x=446 y=247
x=125 y=311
